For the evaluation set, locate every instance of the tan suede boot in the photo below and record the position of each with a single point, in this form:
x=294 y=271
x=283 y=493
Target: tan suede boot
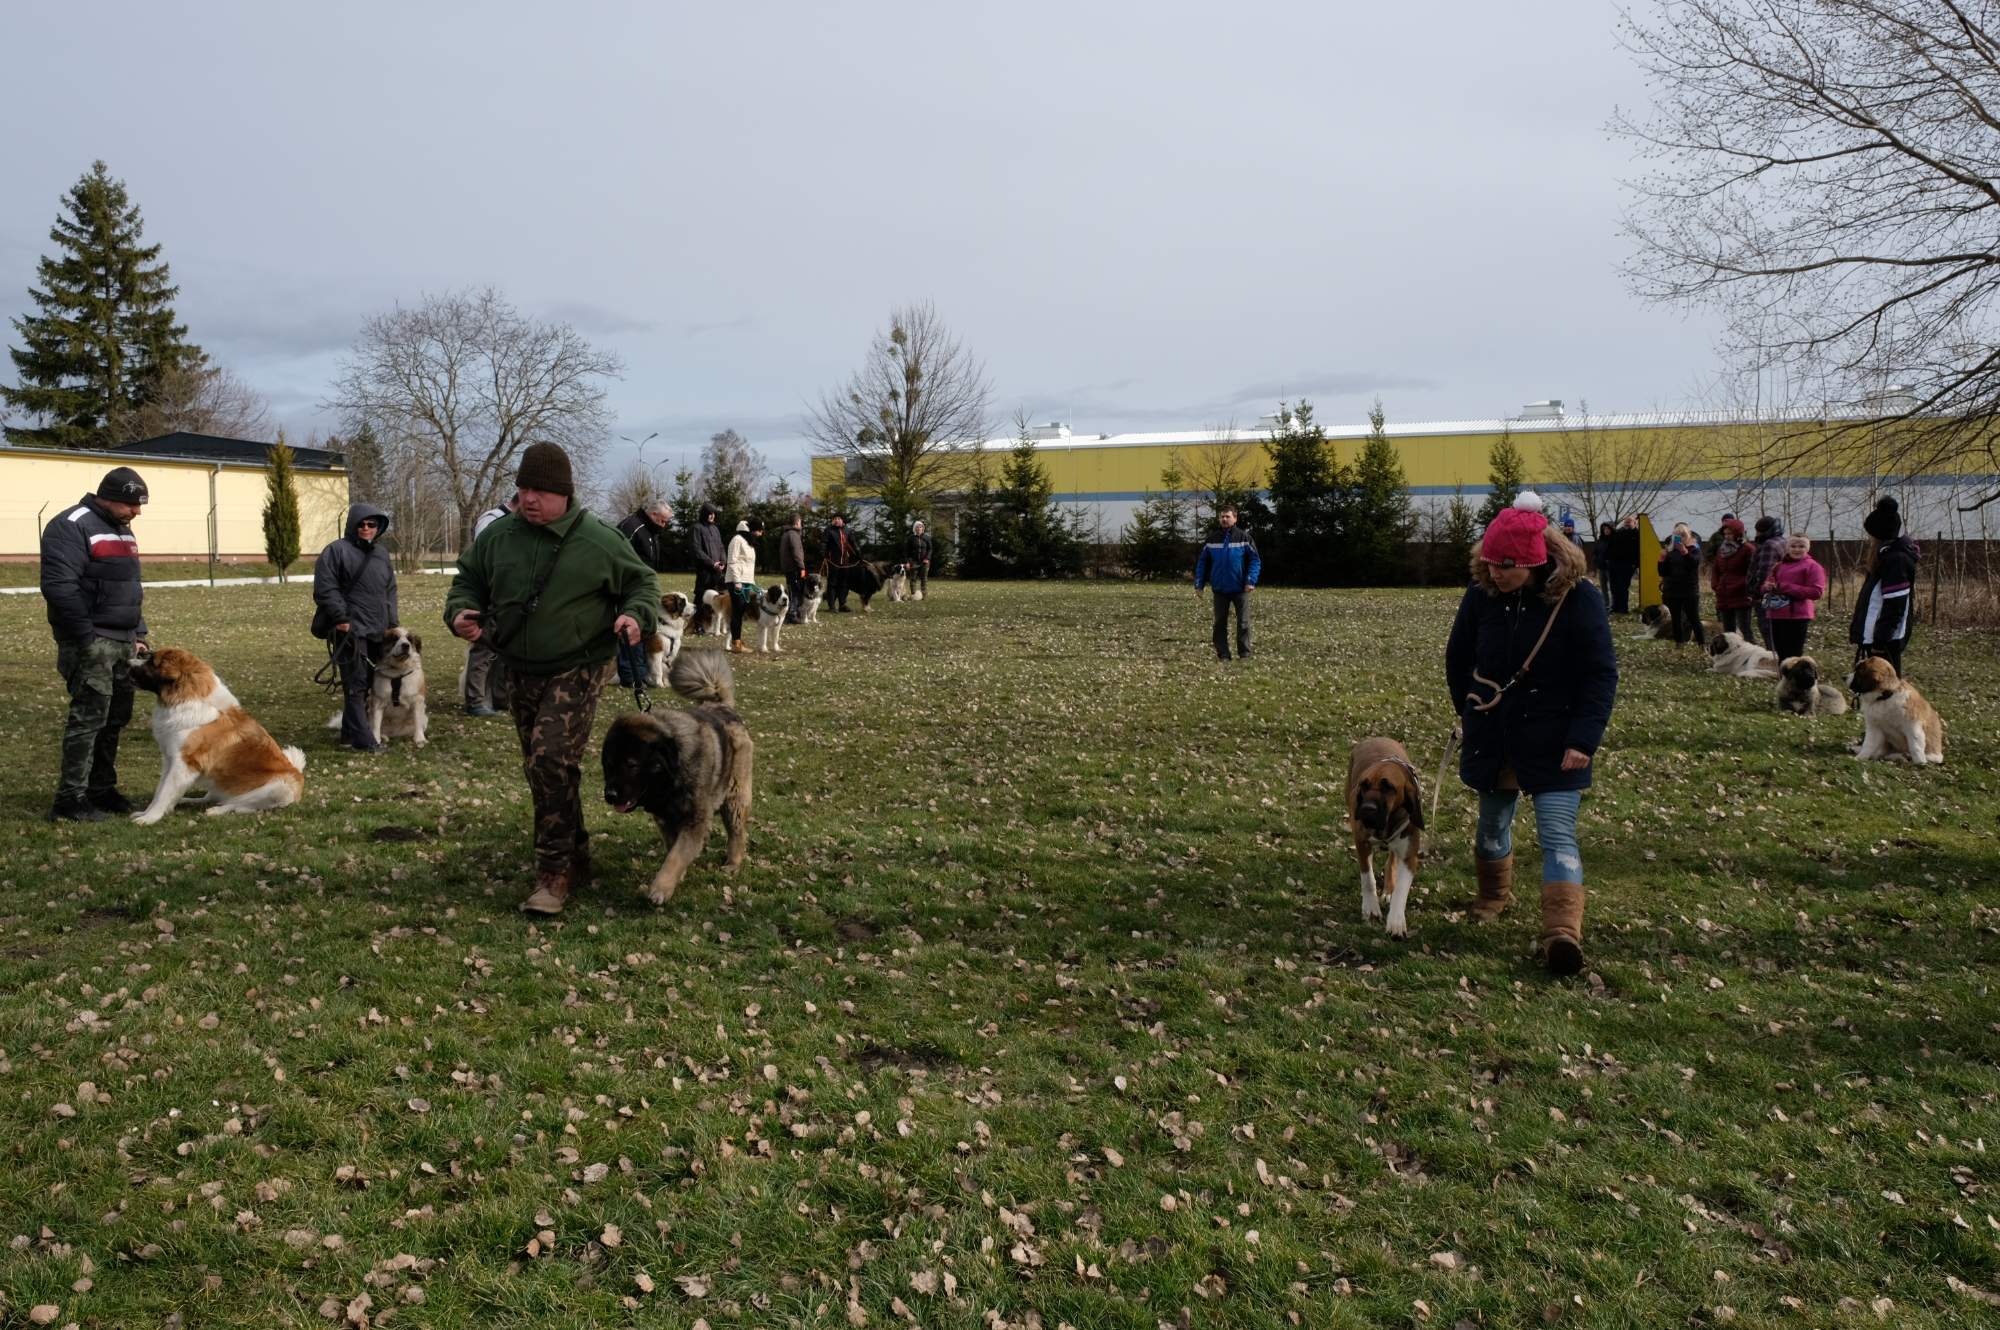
x=1562 y=927
x=1496 y=887
x=550 y=895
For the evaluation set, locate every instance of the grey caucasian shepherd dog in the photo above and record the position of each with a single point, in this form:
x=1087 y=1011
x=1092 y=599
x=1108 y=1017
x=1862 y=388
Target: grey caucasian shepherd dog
x=684 y=767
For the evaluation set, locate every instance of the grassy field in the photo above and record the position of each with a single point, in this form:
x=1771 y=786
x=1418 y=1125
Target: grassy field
x=1043 y=999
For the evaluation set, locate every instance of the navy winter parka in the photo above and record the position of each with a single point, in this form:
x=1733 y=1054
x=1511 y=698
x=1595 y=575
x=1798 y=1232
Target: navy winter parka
x=1565 y=700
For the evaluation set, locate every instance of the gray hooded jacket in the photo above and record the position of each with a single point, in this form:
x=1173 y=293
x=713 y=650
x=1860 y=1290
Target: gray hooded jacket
x=355 y=582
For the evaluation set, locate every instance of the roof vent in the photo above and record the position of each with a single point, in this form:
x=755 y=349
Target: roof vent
x=1549 y=410
x=1055 y=429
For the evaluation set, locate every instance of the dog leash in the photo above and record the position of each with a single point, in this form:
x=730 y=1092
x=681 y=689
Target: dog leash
x=1437 y=791
x=1500 y=690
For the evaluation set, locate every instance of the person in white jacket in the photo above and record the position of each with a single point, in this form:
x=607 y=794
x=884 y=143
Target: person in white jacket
x=742 y=577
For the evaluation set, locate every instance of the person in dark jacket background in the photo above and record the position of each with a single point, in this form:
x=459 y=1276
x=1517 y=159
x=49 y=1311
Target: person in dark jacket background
x=1769 y=553
x=90 y=580
x=1885 y=610
x=920 y=560
x=1229 y=564
x=1680 y=584
x=1533 y=677
x=647 y=529
x=354 y=594
x=1729 y=578
x=792 y=562
x=843 y=556
x=709 y=559
x=1621 y=563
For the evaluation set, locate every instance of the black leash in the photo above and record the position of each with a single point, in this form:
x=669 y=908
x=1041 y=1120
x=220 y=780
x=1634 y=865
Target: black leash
x=339 y=647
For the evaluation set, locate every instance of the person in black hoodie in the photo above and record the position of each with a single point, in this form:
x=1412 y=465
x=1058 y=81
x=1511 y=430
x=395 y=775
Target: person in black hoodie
x=354 y=595
x=1885 y=610
x=1621 y=563
x=709 y=562
x=90 y=579
x=1680 y=584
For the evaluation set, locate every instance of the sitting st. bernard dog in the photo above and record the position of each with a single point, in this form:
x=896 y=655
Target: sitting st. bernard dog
x=897 y=584
x=676 y=612
x=396 y=707
x=1385 y=810
x=1801 y=693
x=1655 y=621
x=1729 y=654
x=208 y=741
x=1900 y=725
x=815 y=588
x=772 y=607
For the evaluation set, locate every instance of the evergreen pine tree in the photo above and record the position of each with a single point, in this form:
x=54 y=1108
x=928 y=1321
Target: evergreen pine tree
x=1461 y=529
x=1312 y=503
x=367 y=469
x=1506 y=473
x=1384 y=519
x=281 y=509
x=103 y=333
x=1156 y=540
x=979 y=532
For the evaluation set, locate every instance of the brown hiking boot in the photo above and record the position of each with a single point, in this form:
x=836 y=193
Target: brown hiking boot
x=738 y=648
x=1496 y=887
x=551 y=893
x=1562 y=927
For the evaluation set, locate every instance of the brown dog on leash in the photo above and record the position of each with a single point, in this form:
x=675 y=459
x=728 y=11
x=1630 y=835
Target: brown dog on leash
x=1385 y=810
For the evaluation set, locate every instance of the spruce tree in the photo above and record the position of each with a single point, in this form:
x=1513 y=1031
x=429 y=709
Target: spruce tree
x=1506 y=473
x=367 y=468
x=1157 y=539
x=103 y=333
x=1461 y=529
x=1384 y=519
x=1312 y=503
x=281 y=509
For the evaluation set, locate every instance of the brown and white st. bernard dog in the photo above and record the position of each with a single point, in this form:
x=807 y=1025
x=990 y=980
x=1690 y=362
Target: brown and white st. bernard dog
x=208 y=740
x=1900 y=725
x=1385 y=810
x=664 y=646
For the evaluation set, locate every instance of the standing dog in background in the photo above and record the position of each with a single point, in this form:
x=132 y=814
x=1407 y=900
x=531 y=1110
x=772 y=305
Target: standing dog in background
x=772 y=607
x=815 y=590
x=209 y=742
x=1385 y=811
x=1901 y=726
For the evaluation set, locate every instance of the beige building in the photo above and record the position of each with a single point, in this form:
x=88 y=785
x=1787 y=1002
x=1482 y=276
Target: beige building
x=207 y=500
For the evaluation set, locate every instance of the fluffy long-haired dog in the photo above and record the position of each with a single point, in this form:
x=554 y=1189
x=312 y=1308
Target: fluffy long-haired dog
x=209 y=742
x=1729 y=654
x=683 y=767
x=664 y=646
x=1801 y=692
x=1385 y=810
x=396 y=689
x=897 y=584
x=1656 y=622
x=815 y=588
x=772 y=607
x=864 y=579
x=1901 y=726
x=704 y=676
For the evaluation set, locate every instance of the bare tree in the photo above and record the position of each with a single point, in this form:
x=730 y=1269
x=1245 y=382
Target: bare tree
x=911 y=419
x=1613 y=475
x=197 y=398
x=1826 y=173
x=732 y=472
x=1216 y=473
x=463 y=382
x=637 y=487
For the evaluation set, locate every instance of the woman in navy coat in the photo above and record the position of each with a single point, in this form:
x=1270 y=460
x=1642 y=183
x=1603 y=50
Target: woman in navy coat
x=1532 y=677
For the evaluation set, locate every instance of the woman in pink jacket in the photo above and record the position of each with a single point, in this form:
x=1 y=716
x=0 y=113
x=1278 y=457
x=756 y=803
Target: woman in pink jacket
x=1791 y=597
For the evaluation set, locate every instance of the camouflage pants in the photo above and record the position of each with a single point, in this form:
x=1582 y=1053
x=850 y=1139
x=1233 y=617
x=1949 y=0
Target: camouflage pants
x=553 y=715
x=98 y=674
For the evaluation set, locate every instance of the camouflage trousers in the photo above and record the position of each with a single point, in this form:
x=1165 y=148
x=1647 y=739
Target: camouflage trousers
x=553 y=714
x=98 y=674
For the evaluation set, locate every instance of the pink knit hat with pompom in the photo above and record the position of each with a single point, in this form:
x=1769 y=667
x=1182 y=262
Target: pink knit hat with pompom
x=1518 y=536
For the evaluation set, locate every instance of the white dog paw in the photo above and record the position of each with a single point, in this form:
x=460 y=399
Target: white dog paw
x=1398 y=928
x=147 y=819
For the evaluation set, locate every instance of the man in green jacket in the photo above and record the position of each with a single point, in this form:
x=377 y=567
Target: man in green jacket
x=551 y=590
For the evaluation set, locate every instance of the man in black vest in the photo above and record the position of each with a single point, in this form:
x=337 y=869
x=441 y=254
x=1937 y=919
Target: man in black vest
x=647 y=529
x=90 y=579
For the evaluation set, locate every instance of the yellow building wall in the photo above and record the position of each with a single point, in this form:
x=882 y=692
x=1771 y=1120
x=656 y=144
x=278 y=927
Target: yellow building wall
x=34 y=487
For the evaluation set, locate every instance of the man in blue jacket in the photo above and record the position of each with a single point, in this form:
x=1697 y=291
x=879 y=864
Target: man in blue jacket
x=90 y=579
x=1229 y=566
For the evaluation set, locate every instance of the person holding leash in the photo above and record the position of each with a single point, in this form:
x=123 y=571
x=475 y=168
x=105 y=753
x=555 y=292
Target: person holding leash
x=354 y=595
x=792 y=562
x=1885 y=609
x=742 y=577
x=552 y=589
x=709 y=560
x=1229 y=564
x=1532 y=676
x=842 y=555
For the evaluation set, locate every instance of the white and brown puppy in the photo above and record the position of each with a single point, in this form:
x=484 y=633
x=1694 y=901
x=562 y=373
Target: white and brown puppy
x=815 y=589
x=897 y=584
x=396 y=697
x=711 y=613
x=1801 y=693
x=664 y=646
x=1729 y=654
x=210 y=743
x=1656 y=622
x=1900 y=725
x=772 y=607
x=1385 y=810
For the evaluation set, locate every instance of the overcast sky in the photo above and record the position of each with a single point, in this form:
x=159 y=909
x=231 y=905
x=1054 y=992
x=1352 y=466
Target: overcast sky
x=1140 y=216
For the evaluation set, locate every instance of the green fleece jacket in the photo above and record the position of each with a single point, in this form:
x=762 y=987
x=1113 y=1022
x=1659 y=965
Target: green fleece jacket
x=596 y=578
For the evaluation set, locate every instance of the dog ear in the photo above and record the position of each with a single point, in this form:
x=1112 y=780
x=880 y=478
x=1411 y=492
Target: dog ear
x=1415 y=798
x=416 y=643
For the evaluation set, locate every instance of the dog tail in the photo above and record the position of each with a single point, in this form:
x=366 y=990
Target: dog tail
x=703 y=676
x=297 y=758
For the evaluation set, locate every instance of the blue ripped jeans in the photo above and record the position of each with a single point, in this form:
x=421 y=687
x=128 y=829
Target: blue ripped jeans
x=1555 y=828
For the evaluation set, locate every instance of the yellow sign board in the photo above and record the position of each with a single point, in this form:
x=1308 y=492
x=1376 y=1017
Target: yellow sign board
x=1649 y=564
